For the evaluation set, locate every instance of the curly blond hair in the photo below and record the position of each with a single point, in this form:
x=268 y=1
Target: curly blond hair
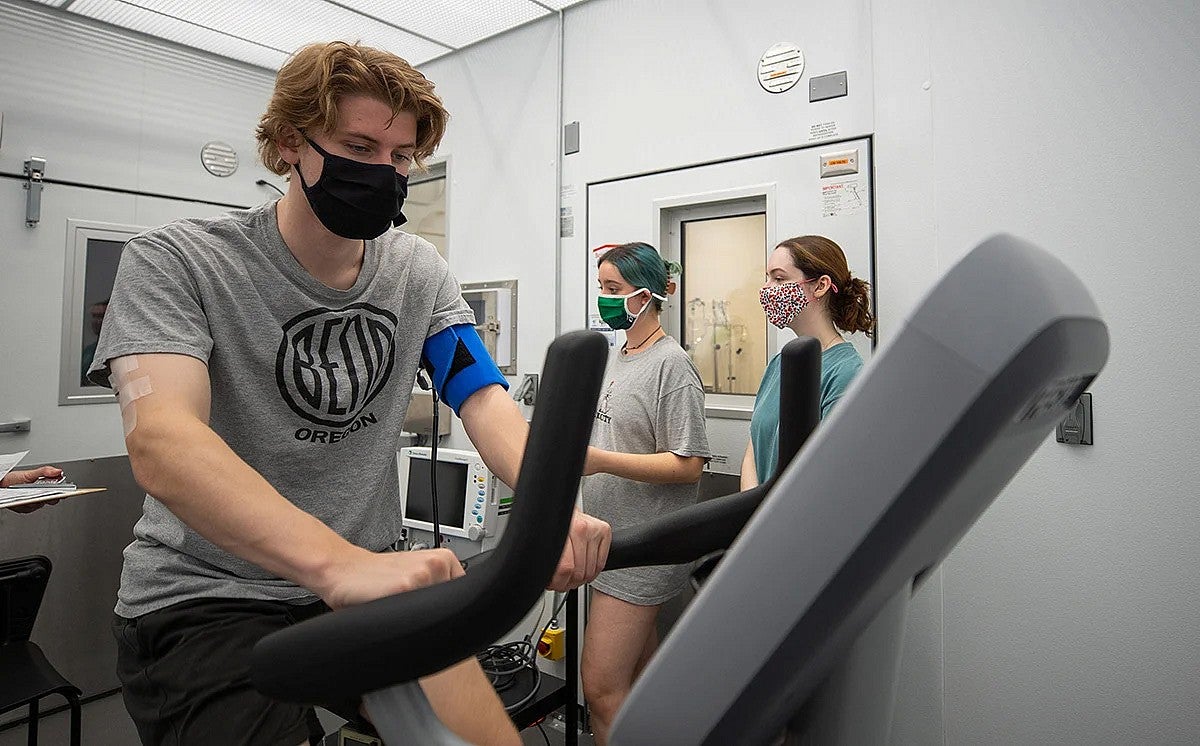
x=310 y=84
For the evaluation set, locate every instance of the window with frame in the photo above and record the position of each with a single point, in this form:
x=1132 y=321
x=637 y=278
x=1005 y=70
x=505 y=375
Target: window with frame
x=722 y=325
x=425 y=207
x=93 y=254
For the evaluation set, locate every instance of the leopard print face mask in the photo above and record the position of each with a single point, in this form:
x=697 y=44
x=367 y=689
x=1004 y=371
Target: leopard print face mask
x=783 y=303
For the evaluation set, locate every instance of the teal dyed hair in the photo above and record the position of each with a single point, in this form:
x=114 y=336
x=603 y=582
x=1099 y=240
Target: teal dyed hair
x=641 y=266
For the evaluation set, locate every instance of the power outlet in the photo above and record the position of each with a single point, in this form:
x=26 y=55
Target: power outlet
x=1076 y=428
x=528 y=390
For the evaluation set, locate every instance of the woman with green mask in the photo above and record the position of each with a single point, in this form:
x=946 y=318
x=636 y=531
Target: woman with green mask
x=648 y=450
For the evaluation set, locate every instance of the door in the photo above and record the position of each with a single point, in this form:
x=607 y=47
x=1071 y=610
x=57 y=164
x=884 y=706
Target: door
x=721 y=221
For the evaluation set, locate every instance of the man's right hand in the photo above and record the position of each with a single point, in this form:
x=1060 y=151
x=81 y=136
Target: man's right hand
x=359 y=575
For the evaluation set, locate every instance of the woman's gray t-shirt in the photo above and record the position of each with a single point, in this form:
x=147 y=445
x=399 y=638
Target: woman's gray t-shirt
x=651 y=402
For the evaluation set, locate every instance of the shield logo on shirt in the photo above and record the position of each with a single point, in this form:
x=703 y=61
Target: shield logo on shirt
x=332 y=362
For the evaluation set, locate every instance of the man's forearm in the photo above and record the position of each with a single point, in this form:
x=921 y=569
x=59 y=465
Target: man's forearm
x=182 y=463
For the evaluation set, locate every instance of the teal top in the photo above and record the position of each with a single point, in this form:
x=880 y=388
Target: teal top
x=839 y=365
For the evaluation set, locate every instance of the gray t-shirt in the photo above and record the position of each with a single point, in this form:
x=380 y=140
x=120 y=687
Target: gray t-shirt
x=310 y=385
x=652 y=402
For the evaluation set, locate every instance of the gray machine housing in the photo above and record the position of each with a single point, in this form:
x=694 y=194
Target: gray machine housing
x=929 y=434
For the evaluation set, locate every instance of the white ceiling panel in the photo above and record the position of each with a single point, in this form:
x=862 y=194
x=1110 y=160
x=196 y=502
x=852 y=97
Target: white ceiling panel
x=265 y=32
x=560 y=4
x=287 y=25
x=455 y=23
x=164 y=27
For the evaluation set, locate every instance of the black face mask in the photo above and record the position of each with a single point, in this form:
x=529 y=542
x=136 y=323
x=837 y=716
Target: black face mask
x=353 y=199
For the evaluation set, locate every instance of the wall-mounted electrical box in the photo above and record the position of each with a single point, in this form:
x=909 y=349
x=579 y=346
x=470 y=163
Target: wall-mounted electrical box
x=495 y=307
x=824 y=87
x=570 y=138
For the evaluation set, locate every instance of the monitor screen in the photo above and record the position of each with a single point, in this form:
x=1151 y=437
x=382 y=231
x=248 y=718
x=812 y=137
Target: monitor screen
x=452 y=492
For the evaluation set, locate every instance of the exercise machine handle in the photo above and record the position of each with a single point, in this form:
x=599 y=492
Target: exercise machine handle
x=339 y=656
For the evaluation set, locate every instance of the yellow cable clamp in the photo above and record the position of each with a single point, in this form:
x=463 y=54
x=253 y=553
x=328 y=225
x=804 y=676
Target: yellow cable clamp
x=553 y=645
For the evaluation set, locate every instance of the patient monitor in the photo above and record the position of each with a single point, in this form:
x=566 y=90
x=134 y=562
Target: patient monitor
x=473 y=503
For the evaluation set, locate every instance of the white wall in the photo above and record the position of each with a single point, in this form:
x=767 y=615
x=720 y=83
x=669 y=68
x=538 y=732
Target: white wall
x=500 y=151
x=664 y=84
x=103 y=109
x=660 y=85
x=113 y=108
x=1072 y=610
x=1069 y=614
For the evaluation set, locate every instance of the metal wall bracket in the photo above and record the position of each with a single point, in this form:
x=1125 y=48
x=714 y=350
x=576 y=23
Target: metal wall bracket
x=496 y=317
x=15 y=426
x=35 y=169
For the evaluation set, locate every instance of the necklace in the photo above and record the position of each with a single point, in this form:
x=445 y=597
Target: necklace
x=627 y=348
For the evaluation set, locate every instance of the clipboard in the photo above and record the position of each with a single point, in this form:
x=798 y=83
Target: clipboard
x=15 y=500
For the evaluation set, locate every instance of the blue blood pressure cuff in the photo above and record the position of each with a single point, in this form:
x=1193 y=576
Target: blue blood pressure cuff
x=459 y=364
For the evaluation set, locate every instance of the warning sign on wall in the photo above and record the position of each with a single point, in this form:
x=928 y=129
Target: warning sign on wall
x=844 y=197
x=566 y=211
x=822 y=130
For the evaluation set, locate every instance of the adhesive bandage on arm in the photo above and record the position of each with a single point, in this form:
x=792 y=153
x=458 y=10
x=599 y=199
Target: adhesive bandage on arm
x=129 y=387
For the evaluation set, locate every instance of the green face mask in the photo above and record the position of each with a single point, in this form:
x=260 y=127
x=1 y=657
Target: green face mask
x=615 y=308
x=614 y=311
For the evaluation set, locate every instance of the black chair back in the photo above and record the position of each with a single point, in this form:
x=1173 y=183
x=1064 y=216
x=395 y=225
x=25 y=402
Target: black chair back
x=22 y=585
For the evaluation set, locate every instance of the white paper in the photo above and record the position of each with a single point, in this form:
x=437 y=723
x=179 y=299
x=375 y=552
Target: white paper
x=842 y=197
x=29 y=493
x=9 y=460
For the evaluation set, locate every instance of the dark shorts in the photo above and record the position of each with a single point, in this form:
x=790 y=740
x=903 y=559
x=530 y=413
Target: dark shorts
x=185 y=674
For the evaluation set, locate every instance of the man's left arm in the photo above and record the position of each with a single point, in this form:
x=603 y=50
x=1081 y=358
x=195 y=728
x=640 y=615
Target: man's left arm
x=495 y=425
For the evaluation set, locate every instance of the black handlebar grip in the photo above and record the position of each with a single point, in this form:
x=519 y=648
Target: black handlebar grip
x=688 y=534
x=343 y=654
x=799 y=397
